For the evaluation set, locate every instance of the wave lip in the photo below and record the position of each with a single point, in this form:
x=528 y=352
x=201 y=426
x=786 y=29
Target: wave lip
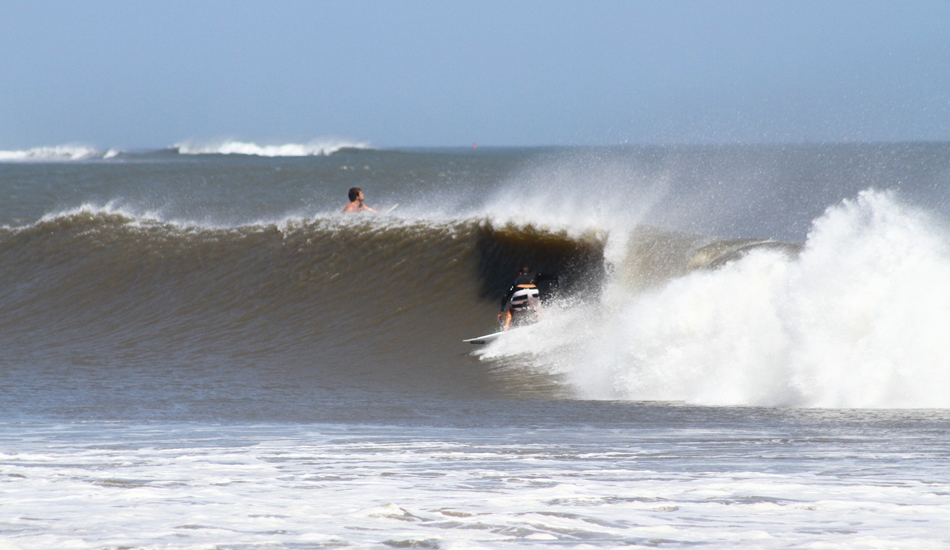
x=67 y=152
x=855 y=318
x=324 y=147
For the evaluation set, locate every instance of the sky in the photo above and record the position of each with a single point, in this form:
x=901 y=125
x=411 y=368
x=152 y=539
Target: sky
x=136 y=74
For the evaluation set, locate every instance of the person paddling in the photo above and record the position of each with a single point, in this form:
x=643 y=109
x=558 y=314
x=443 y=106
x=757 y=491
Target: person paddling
x=356 y=203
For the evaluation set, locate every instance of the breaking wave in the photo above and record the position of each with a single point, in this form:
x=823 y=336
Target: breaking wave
x=230 y=147
x=858 y=318
x=75 y=152
x=57 y=153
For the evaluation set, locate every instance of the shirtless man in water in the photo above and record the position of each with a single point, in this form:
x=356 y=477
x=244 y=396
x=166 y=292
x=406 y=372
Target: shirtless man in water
x=356 y=202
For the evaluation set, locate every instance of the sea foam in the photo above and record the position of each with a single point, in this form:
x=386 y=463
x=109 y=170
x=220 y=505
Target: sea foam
x=858 y=319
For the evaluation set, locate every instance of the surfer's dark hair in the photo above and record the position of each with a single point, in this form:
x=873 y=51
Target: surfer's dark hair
x=354 y=193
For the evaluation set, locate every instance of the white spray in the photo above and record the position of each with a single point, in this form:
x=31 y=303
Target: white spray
x=860 y=318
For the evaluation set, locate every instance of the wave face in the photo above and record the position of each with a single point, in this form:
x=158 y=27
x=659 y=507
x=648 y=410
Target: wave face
x=352 y=303
x=235 y=290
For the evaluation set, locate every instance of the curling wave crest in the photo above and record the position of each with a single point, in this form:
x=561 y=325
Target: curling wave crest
x=858 y=319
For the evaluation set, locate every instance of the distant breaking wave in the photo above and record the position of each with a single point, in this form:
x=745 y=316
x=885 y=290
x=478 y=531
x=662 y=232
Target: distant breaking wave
x=57 y=153
x=313 y=148
x=75 y=152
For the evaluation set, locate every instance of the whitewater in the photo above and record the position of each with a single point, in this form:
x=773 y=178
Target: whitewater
x=746 y=347
x=856 y=319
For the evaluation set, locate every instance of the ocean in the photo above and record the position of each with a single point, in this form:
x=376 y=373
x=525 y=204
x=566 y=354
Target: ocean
x=747 y=346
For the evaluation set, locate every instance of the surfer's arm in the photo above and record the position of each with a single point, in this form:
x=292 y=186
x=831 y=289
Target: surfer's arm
x=507 y=299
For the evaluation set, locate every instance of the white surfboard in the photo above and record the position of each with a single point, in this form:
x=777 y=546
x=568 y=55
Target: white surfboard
x=484 y=339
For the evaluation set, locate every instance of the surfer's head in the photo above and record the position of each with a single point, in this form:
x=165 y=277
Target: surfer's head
x=525 y=277
x=355 y=193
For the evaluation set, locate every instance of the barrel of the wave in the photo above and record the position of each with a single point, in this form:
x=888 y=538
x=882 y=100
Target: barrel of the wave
x=521 y=305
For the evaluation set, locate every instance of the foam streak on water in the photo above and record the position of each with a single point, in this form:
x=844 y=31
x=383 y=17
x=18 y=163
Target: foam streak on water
x=187 y=486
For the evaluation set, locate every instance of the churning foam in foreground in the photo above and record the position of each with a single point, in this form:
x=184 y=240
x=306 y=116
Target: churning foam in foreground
x=859 y=319
x=313 y=148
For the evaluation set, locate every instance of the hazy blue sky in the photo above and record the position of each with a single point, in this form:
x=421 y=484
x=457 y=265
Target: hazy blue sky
x=133 y=74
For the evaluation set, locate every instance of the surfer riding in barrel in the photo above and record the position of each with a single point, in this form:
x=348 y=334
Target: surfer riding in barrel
x=521 y=305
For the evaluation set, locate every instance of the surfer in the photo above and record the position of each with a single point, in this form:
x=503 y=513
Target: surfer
x=521 y=303
x=356 y=202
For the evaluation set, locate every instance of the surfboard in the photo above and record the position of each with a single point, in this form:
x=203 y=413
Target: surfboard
x=390 y=209
x=484 y=339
